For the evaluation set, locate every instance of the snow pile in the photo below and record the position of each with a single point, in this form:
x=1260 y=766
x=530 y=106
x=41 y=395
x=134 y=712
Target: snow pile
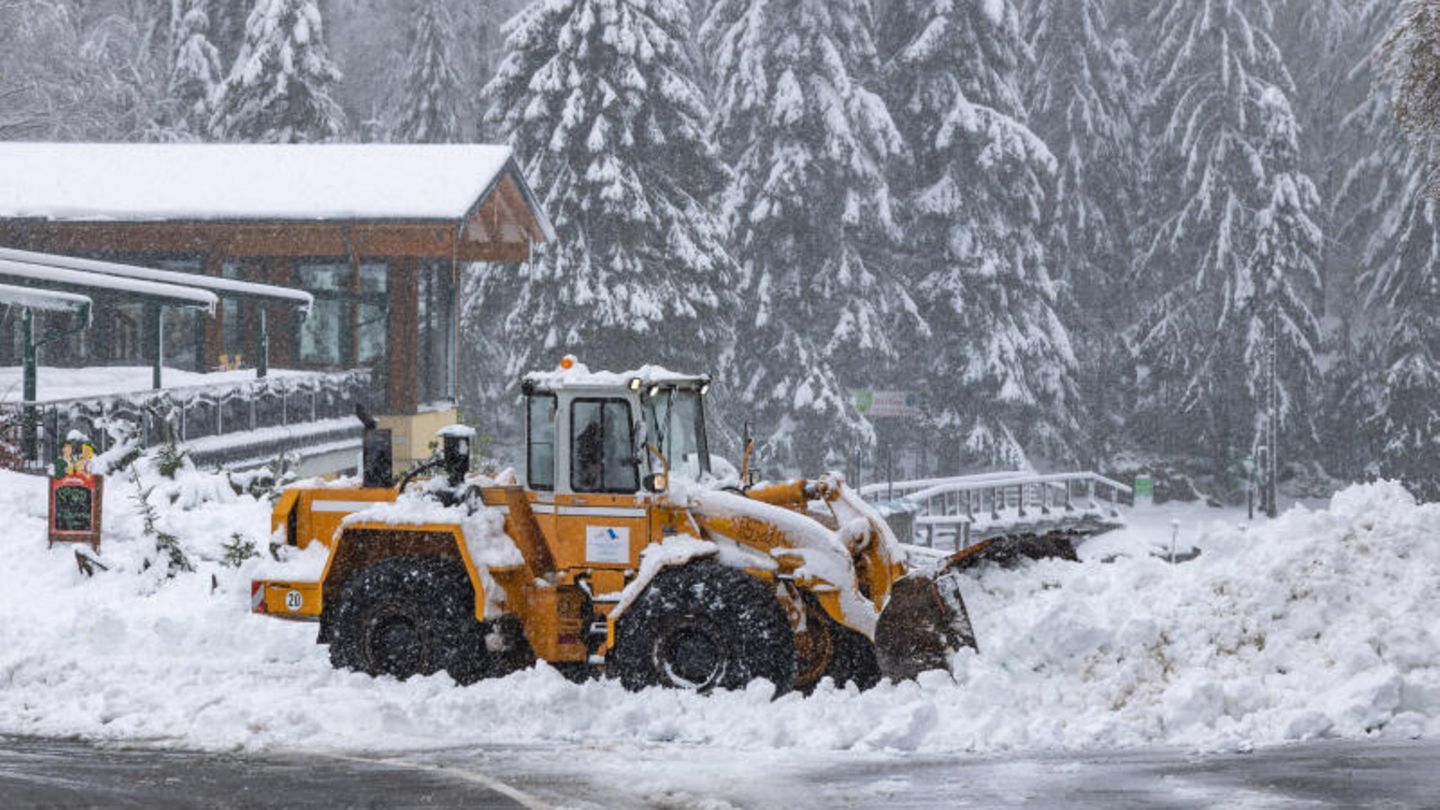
x=1316 y=625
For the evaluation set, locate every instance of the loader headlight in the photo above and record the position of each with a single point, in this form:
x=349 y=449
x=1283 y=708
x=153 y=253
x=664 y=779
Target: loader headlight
x=654 y=391
x=704 y=389
x=635 y=384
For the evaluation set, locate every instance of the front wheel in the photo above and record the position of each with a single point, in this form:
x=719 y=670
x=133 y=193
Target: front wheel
x=702 y=627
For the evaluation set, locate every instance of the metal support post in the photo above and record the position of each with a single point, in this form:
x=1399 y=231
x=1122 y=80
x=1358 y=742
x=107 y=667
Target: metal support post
x=33 y=344
x=32 y=413
x=156 y=381
x=262 y=368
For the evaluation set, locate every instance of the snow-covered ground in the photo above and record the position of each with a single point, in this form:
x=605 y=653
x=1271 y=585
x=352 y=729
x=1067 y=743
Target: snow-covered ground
x=1318 y=625
x=99 y=381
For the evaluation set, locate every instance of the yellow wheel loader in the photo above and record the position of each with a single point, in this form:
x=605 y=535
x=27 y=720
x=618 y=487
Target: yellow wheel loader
x=620 y=554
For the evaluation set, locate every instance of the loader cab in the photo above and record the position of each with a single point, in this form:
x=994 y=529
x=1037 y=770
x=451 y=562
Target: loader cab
x=594 y=433
x=588 y=466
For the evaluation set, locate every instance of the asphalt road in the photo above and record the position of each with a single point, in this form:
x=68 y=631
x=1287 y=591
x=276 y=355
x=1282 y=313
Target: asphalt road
x=64 y=774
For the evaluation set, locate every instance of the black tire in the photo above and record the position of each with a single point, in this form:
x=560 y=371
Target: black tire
x=852 y=659
x=701 y=627
x=507 y=648
x=410 y=616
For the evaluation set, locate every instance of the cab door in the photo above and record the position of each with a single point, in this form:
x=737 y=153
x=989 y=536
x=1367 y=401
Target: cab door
x=600 y=520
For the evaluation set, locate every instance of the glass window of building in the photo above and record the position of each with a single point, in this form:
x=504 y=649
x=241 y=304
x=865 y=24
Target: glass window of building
x=348 y=326
x=374 y=313
x=326 y=337
x=184 y=335
x=437 y=333
x=232 y=327
x=123 y=327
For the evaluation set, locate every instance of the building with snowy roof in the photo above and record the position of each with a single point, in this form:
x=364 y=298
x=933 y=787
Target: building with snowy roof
x=378 y=234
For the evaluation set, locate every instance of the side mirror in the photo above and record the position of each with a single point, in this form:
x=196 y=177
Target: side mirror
x=655 y=482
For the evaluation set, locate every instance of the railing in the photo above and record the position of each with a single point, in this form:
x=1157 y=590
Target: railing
x=973 y=508
x=187 y=413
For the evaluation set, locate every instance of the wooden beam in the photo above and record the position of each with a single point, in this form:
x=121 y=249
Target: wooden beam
x=214 y=327
x=420 y=240
x=403 y=338
x=499 y=252
x=514 y=199
x=281 y=320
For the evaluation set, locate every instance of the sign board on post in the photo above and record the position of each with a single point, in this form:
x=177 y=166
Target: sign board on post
x=1144 y=490
x=77 y=497
x=887 y=404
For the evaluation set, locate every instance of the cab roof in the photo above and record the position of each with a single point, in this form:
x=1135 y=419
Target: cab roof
x=578 y=376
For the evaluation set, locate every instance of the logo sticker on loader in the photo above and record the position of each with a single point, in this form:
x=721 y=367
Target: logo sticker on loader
x=294 y=601
x=607 y=544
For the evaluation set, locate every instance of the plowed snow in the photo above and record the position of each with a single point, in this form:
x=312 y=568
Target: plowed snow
x=1319 y=624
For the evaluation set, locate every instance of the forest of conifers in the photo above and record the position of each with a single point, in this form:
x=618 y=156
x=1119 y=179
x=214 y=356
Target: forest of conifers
x=1118 y=233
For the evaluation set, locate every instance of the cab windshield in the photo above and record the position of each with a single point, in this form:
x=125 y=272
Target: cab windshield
x=675 y=424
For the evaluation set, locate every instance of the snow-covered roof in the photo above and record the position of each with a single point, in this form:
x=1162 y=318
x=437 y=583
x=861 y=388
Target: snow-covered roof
x=132 y=182
x=47 y=300
x=580 y=376
x=221 y=286
x=168 y=293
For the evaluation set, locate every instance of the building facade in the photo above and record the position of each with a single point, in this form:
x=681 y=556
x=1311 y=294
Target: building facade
x=378 y=234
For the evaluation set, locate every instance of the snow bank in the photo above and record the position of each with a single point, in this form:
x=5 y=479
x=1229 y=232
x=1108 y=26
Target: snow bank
x=100 y=381
x=1320 y=624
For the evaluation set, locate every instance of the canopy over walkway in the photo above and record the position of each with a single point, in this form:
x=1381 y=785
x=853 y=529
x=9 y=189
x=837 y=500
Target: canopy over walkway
x=47 y=283
x=43 y=300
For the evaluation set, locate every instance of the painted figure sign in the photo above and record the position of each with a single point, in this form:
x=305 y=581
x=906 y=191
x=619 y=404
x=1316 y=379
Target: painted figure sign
x=76 y=494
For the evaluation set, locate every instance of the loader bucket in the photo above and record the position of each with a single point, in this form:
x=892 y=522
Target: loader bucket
x=922 y=627
x=1010 y=550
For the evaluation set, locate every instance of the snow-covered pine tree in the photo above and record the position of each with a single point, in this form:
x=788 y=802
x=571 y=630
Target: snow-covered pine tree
x=278 y=91
x=599 y=100
x=431 y=91
x=1404 y=303
x=1081 y=101
x=1397 y=394
x=1412 y=63
x=1000 y=367
x=810 y=215
x=196 y=71
x=1408 y=287
x=1273 y=295
x=1372 y=197
x=1215 y=115
x=227 y=27
x=70 y=71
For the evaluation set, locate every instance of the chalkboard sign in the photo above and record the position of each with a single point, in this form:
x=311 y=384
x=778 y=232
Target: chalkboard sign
x=75 y=509
x=76 y=494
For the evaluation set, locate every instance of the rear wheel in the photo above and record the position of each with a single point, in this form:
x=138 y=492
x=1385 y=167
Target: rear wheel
x=410 y=616
x=702 y=627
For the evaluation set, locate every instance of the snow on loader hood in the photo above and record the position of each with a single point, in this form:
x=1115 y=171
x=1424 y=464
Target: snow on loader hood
x=482 y=527
x=825 y=554
x=1318 y=624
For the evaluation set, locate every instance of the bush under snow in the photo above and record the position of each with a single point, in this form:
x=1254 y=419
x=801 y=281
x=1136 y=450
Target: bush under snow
x=1319 y=624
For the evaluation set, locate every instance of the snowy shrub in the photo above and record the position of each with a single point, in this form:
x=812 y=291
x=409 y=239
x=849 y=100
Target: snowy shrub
x=238 y=549
x=168 y=550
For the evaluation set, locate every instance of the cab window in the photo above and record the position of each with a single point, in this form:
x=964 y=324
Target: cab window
x=540 y=441
x=602 y=447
